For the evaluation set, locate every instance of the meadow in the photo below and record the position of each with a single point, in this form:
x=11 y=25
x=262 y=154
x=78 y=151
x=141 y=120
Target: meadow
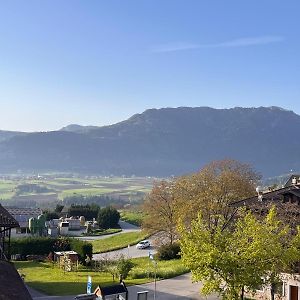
x=125 y=190
x=118 y=241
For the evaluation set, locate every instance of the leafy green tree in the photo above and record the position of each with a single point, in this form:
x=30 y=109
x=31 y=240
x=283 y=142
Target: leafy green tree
x=108 y=217
x=229 y=259
x=124 y=266
x=58 y=208
x=282 y=249
x=88 y=211
x=51 y=215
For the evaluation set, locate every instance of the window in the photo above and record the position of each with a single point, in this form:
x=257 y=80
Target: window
x=21 y=230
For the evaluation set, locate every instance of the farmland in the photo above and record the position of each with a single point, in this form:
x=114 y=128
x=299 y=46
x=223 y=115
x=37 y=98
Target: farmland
x=48 y=190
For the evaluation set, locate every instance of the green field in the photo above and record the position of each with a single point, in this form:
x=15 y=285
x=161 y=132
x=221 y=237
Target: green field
x=118 y=241
x=127 y=190
x=51 y=280
x=132 y=216
x=7 y=189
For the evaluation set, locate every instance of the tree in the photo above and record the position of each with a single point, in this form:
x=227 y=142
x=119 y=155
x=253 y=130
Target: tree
x=88 y=211
x=108 y=217
x=124 y=266
x=282 y=245
x=212 y=189
x=59 y=208
x=160 y=210
x=229 y=259
x=50 y=215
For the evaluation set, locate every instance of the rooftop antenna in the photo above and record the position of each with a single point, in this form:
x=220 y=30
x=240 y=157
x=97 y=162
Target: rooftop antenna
x=259 y=193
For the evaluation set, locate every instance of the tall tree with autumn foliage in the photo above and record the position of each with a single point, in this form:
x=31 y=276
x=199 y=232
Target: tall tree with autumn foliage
x=212 y=189
x=209 y=191
x=160 y=210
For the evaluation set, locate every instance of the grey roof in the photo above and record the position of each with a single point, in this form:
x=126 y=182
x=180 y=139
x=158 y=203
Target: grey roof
x=113 y=289
x=24 y=211
x=270 y=196
x=6 y=219
x=11 y=284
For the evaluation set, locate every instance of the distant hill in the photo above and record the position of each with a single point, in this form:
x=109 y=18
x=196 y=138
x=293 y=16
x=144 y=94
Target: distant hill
x=5 y=135
x=163 y=142
x=77 y=128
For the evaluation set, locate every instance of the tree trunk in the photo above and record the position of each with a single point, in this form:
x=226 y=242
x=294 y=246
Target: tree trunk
x=272 y=291
x=242 y=293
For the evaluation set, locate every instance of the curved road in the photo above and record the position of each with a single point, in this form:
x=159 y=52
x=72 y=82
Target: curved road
x=126 y=227
x=130 y=251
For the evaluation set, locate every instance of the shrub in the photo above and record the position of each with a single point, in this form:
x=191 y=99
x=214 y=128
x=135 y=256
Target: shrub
x=124 y=266
x=169 y=251
x=83 y=249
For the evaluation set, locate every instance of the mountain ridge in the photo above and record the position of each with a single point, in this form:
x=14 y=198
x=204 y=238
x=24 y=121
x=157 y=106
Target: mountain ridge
x=162 y=142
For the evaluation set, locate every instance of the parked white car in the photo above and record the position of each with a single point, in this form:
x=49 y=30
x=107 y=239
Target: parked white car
x=143 y=244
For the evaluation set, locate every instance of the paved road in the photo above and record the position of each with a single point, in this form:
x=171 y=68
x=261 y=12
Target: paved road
x=130 y=252
x=180 y=287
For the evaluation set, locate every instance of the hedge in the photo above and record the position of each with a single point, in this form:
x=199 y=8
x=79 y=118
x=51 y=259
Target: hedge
x=45 y=245
x=32 y=245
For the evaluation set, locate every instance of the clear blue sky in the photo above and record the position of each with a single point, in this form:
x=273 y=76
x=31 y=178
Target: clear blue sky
x=99 y=62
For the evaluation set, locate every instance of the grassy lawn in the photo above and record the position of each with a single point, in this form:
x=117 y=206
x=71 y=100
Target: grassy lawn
x=99 y=232
x=51 y=280
x=118 y=241
x=133 y=217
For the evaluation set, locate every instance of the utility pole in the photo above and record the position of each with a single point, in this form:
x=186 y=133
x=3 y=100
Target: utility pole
x=151 y=256
x=155 y=265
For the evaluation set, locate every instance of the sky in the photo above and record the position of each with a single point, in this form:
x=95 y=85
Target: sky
x=99 y=62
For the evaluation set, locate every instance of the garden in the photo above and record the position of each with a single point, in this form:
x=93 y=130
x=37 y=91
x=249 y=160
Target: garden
x=48 y=278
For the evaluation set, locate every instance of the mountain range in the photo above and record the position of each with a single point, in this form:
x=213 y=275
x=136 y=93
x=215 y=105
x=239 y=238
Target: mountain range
x=161 y=142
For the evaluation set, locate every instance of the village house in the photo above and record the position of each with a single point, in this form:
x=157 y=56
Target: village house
x=287 y=201
x=22 y=216
x=11 y=284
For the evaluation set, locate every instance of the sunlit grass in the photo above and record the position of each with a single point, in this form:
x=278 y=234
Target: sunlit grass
x=49 y=279
x=118 y=241
x=132 y=217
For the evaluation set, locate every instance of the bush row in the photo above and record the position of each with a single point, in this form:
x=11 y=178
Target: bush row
x=45 y=245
